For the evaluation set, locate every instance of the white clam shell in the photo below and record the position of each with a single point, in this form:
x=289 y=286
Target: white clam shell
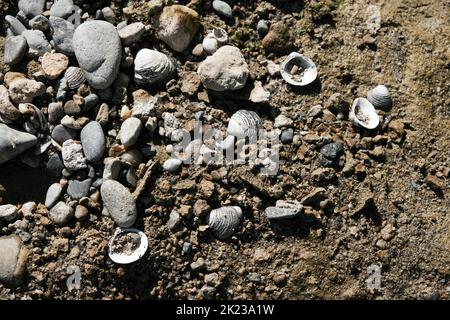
x=363 y=114
x=122 y=258
x=307 y=70
x=244 y=123
x=380 y=97
x=153 y=67
x=75 y=77
x=224 y=221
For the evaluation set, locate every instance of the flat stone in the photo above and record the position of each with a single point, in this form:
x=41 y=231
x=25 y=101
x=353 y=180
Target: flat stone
x=283 y=210
x=98 y=50
x=119 y=202
x=61 y=213
x=223 y=8
x=23 y=90
x=8 y=212
x=8 y=112
x=32 y=8
x=93 y=141
x=15 y=25
x=79 y=189
x=61 y=8
x=131 y=33
x=63 y=32
x=54 y=166
x=112 y=169
x=129 y=131
x=72 y=154
x=15 y=49
x=53 y=194
x=37 y=43
x=14 y=142
x=61 y=134
x=13 y=263
x=225 y=70
x=54 y=64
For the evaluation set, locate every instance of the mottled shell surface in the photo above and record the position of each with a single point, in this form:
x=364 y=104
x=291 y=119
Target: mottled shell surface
x=298 y=70
x=224 y=221
x=75 y=77
x=153 y=67
x=127 y=257
x=244 y=123
x=363 y=114
x=380 y=97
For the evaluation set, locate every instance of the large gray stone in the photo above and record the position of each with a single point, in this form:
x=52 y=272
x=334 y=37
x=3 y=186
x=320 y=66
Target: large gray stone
x=93 y=141
x=61 y=134
x=13 y=262
x=63 y=32
x=15 y=49
x=62 y=8
x=37 y=43
x=32 y=8
x=98 y=50
x=14 y=142
x=15 y=25
x=119 y=202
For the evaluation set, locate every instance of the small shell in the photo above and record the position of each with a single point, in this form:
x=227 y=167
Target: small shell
x=210 y=44
x=75 y=77
x=363 y=114
x=298 y=70
x=224 y=221
x=244 y=123
x=220 y=35
x=283 y=210
x=153 y=67
x=380 y=97
x=128 y=257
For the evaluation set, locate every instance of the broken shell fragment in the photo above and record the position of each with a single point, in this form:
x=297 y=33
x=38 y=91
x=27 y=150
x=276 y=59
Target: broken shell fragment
x=224 y=221
x=127 y=245
x=244 y=123
x=380 y=97
x=283 y=210
x=75 y=77
x=298 y=70
x=363 y=114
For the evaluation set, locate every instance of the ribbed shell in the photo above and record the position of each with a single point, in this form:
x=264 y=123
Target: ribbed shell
x=380 y=97
x=224 y=221
x=75 y=77
x=363 y=114
x=244 y=123
x=309 y=72
x=153 y=67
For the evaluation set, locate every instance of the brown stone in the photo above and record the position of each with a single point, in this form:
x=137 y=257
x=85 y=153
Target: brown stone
x=278 y=39
x=54 y=64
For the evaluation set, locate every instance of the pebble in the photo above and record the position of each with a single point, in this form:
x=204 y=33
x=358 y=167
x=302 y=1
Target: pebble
x=187 y=248
x=22 y=90
x=72 y=154
x=119 y=202
x=172 y=165
x=177 y=25
x=226 y=69
x=223 y=8
x=93 y=141
x=174 y=220
x=79 y=189
x=282 y=121
x=129 y=131
x=54 y=166
x=90 y=102
x=131 y=33
x=434 y=183
x=98 y=50
x=278 y=39
x=8 y=112
x=15 y=49
x=14 y=142
x=131 y=177
x=14 y=260
x=287 y=135
x=61 y=134
x=61 y=8
x=61 y=213
x=15 y=25
x=144 y=104
x=330 y=153
x=8 y=212
x=37 y=43
x=54 y=64
x=31 y=8
x=198 y=265
x=53 y=194
x=283 y=210
x=40 y=23
x=112 y=169
x=262 y=27
x=81 y=213
x=63 y=32
x=109 y=15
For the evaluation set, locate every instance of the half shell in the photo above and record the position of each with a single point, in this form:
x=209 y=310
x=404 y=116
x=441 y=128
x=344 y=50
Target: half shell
x=153 y=67
x=298 y=70
x=224 y=221
x=75 y=77
x=380 y=97
x=129 y=252
x=244 y=123
x=363 y=114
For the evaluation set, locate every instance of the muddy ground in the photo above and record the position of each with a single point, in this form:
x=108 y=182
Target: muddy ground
x=325 y=258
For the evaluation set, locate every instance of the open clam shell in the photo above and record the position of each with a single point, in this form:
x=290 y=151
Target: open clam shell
x=298 y=70
x=127 y=245
x=380 y=97
x=224 y=221
x=244 y=123
x=363 y=114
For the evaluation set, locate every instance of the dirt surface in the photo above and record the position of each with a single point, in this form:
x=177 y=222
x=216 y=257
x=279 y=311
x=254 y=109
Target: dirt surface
x=381 y=207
